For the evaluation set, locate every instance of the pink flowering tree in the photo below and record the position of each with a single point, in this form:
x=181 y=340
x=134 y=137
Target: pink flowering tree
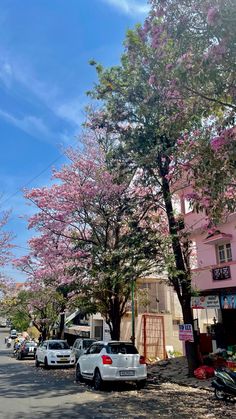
x=206 y=160
x=5 y=251
x=176 y=73
x=39 y=308
x=96 y=232
x=5 y=240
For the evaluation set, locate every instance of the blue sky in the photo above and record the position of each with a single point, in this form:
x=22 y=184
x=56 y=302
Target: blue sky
x=45 y=46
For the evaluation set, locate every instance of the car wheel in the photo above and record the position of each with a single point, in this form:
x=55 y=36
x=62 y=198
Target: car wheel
x=46 y=364
x=141 y=384
x=78 y=375
x=19 y=357
x=97 y=380
x=36 y=362
x=220 y=395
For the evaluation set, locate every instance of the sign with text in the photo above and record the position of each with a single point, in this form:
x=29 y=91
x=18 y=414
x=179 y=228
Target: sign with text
x=186 y=332
x=222 y=273
x=209 y=301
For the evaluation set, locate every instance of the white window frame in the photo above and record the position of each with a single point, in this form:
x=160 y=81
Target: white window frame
x=224 y=252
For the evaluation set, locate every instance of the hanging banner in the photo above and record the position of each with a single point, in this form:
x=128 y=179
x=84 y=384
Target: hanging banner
x=203 y=302
x=186 y=332
x=228 y=301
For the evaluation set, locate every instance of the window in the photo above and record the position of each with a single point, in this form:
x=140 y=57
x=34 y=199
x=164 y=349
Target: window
x=58 y=345
x=224 y=253
x=121 y=348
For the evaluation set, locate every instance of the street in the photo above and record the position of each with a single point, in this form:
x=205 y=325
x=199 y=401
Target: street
x=27 y=392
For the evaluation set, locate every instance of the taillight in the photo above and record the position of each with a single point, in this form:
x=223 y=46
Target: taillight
x=142 y=360
x=106 y=360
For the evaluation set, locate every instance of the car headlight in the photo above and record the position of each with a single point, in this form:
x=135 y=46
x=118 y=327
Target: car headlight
x=53 y=355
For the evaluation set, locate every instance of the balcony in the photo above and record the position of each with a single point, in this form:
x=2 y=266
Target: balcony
x=214 y=276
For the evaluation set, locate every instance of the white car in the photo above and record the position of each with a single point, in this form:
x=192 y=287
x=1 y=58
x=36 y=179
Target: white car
x=111 y=361
x=54 y=353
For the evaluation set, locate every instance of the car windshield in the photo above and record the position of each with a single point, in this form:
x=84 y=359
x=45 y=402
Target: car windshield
x=88 y=343
x=58 y=345
x=121 y=348
x=30 y=344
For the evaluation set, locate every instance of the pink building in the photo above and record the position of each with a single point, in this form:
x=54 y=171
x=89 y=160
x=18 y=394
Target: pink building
x=214 y=274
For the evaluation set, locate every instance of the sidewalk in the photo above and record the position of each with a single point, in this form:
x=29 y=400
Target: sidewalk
x=175 y=370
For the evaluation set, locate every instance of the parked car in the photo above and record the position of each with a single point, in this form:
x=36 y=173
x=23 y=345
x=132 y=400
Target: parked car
x=13 y=334
x=80 y=346
x=26 y=349
x=53 y=353
x=111 y=361
x=3 y=322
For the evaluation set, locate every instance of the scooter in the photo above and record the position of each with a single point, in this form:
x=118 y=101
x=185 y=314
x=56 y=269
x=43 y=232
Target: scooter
x=224 y=384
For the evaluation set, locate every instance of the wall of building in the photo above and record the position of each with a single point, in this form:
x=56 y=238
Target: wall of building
x=171 y=335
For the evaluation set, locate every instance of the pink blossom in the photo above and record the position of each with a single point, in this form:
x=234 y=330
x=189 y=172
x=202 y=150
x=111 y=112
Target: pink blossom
x=212 y=16
x=152 y=80
x=218 y=142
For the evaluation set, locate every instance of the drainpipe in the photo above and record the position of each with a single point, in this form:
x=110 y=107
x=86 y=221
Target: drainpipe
x=133 y=313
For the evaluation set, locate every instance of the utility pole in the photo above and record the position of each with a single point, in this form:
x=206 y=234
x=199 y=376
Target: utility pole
x=133 y=313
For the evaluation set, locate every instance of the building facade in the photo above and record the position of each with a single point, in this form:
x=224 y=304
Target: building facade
x=213 y=276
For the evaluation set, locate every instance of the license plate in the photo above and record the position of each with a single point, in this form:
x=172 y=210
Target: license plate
x=128 y=373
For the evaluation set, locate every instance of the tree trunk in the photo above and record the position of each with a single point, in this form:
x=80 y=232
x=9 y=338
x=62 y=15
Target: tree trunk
x=191 y=348
x=44 y=333
x=61 y=326
x=115 y=319
x=115 y=328
x=181 y=282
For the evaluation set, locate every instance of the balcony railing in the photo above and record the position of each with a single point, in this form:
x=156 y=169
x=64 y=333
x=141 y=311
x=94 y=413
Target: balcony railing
x=221 y=273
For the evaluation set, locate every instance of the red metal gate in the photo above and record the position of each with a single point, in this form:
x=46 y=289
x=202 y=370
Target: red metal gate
x=152 y=342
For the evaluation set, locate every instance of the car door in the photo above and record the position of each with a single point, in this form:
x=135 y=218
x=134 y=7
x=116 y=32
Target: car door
x=94 y=357
x=42 y=351
x=74 y=348
x=86 y=359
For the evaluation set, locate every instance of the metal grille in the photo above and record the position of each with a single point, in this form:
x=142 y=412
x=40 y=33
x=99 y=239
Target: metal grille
x=152 y=340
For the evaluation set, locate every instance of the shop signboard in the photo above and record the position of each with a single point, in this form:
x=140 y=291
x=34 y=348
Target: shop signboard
x=222 y=273
x=228 y=301
x=203 y=302
x=186 y=332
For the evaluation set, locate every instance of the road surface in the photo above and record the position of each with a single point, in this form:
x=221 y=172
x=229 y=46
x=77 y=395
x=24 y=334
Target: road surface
x=27 y=392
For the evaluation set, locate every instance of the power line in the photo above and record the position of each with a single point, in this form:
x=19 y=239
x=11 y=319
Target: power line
x=32 y=179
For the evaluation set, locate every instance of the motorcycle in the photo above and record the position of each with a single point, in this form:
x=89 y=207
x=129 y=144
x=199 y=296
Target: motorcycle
x=224 y=384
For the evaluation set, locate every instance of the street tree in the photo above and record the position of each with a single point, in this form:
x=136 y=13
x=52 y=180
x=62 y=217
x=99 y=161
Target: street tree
x=38 y=307
x=173 y=77
x=96 y=230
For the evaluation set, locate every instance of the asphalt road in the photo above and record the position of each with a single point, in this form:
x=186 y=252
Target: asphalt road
x=27 y=392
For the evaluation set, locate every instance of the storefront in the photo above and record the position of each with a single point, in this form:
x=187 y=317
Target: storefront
x=216 y=317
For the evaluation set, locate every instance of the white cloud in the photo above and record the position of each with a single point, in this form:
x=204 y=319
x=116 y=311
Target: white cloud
x=71 y=110
x=13 y=73
x=130 y=6
x=30 y=124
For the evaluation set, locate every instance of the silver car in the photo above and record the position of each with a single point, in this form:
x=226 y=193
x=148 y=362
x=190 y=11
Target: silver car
x=80 y=346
